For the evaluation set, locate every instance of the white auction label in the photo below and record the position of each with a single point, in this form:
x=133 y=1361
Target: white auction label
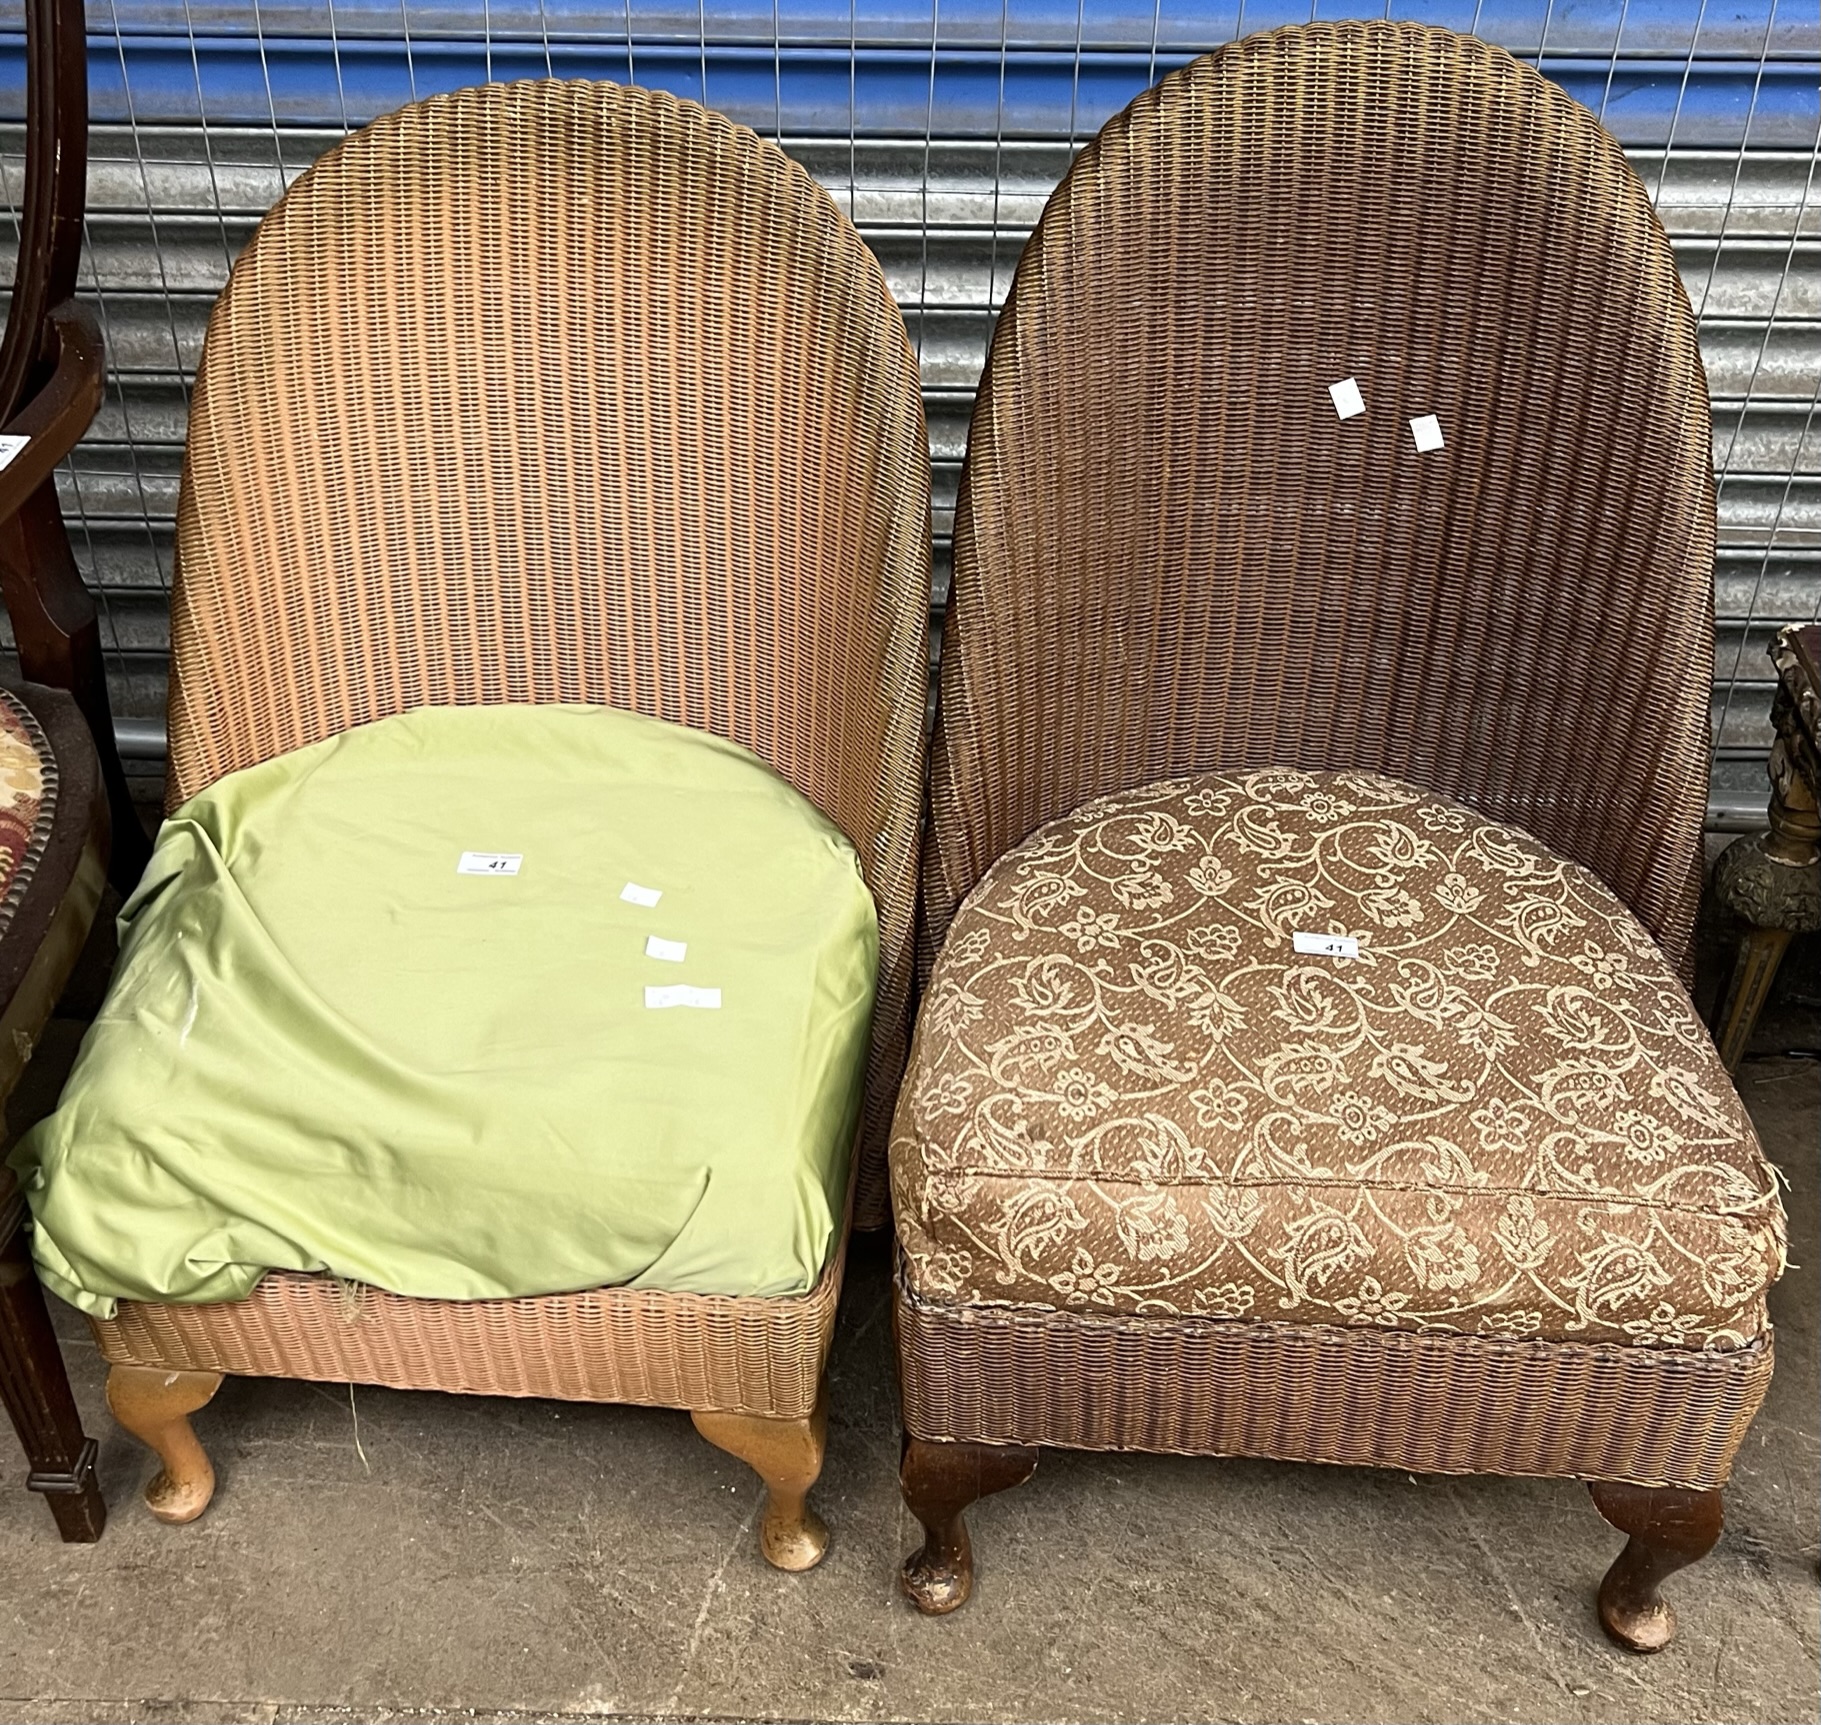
x=490 y=862
x=1426 y=430
x=1348 y=402
x=656 y=946
x=10 y=447
x=633 y=893
x=681 y=994
x=1326 y=945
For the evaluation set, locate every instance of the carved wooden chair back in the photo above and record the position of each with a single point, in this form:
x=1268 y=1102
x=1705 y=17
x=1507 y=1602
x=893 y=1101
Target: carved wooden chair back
x=50 y=387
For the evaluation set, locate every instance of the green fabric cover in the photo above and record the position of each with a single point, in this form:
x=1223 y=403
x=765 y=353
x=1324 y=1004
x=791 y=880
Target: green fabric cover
x=326 y=1049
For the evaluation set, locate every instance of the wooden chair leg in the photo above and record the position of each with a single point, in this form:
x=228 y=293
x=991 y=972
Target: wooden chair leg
x=787 y=1456
x=1669 y=1529
x=1754 y=970
x=939 y=1481
x=1771 y=882
x=155 y=1406
x=36 y=1390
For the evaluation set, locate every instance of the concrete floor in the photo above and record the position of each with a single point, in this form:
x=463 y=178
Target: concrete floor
x=383 y=1556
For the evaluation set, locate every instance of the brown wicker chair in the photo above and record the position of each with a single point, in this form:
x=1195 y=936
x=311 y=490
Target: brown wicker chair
x=1161 y=1181
x=556 y=392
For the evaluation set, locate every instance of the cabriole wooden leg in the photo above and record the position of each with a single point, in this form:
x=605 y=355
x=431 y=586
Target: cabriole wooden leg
x=1770 y=879
x=939 y=1481
x=36 y=1391
x=1754 y=970
x=787 y=1455
x=1669 y=1529
x=155 y=1406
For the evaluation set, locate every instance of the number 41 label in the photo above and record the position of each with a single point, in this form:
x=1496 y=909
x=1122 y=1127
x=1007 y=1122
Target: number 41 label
x=1326 y=945
x=489 y=862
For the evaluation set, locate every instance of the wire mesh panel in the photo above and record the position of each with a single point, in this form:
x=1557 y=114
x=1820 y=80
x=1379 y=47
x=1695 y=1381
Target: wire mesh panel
x=941 y=127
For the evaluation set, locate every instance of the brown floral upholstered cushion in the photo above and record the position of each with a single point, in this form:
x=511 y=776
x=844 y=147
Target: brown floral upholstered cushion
x=1130 y=1093
x=27 y=800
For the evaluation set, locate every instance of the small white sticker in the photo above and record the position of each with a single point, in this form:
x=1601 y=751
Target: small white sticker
x=489 y=862
x=1427 y=430
x=681 y=994
x=672 y=950
x=10 y=447
x=633 y=893
x=1326 y=945
x=1348 y=402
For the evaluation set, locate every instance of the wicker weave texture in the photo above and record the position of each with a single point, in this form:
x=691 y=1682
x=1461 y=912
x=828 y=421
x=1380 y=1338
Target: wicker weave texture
x=1172 y=556
x=568 y=392
x=608 y=1345
x=1354 y=1397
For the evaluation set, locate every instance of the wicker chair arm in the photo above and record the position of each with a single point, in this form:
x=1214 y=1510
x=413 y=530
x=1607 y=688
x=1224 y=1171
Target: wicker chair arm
x=57 y=416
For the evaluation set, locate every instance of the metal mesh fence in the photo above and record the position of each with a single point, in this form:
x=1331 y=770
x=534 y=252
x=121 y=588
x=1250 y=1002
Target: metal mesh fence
x=940 y=127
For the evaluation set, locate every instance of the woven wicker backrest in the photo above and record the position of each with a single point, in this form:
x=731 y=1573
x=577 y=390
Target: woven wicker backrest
x=1172 y=556
x=566 y=392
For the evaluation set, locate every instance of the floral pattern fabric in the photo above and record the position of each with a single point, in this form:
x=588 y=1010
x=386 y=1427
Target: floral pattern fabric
x=1130 y=1093
x=24 y=805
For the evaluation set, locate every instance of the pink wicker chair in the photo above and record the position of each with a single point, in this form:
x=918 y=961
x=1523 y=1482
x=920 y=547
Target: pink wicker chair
x=692 y=482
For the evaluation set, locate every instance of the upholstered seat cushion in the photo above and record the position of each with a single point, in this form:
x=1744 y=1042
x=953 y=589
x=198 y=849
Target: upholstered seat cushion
x=27 y=800
x=471 y=1003
x=1130 y=1093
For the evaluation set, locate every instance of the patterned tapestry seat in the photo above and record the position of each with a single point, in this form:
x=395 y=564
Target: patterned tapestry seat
x=28 y=800
x=1131 y=1094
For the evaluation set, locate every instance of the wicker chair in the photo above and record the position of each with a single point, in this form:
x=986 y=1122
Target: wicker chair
x=535 y=393
x=1233 y=671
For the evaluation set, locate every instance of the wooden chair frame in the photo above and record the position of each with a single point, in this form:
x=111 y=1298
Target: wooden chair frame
x=51 y=382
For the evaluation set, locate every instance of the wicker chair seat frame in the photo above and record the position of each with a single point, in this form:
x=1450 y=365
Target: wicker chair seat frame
x=696 y=1351
x=1364 y=1397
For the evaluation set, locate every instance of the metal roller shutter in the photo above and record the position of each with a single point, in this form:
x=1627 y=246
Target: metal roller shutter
x=941 y=129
